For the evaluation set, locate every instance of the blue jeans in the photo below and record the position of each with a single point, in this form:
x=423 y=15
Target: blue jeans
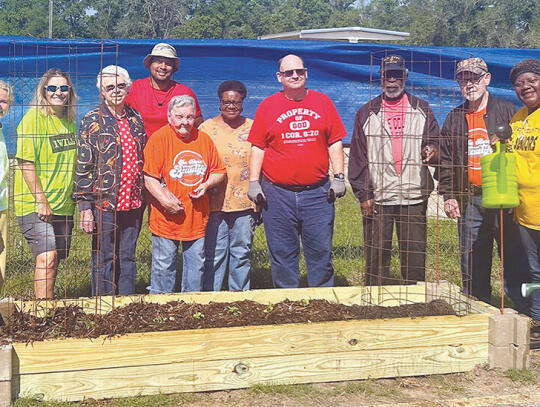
x=289 y=215
x=477 y=227
x=530 y=239
x=228 y=241
x=165 y=258
x=113 y=251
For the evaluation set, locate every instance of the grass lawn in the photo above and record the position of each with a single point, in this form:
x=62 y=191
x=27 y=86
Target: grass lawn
x=348 y=256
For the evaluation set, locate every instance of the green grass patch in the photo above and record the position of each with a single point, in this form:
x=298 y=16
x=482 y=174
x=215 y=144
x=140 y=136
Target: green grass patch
x=296 y=391
x=74 y=274
x=524 y=376
x=369 y=388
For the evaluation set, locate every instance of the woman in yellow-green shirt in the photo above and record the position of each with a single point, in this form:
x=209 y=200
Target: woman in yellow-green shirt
x=46 y=156
x=525 y=76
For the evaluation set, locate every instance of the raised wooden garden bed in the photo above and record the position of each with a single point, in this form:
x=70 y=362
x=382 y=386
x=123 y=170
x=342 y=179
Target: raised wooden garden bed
x=231 y=358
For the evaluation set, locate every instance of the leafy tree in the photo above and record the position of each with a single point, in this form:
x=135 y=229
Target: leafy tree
x=104 y=18
x=492 y=23
x=24 y=17
x=150 y=18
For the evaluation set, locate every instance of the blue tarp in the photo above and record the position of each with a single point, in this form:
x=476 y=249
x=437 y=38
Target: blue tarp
x=348 y=73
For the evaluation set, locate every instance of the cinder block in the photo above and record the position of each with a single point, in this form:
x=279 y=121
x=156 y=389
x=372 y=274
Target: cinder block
x=7 y=307
x=501 y=329
x=5 y=393
x=509 y=357
x=521 y=357
x=509 y=340
x=522 y=330
x=508 y=328
x=5 y=362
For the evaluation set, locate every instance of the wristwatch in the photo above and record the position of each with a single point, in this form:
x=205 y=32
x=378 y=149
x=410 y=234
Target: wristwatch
x=340 y=176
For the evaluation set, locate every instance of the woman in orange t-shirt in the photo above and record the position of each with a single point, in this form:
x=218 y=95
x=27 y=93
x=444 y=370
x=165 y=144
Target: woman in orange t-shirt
x=180 y=165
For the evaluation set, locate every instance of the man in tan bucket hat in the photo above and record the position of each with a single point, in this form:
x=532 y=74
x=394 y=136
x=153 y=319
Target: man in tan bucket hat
x=151 y=96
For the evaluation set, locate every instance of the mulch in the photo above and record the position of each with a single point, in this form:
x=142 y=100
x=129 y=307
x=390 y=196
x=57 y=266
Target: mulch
x=72 y=322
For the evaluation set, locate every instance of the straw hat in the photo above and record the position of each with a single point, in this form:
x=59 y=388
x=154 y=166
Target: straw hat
x=162 y=50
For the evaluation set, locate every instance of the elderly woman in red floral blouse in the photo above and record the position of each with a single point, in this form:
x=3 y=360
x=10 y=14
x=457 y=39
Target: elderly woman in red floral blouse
x=109 y=181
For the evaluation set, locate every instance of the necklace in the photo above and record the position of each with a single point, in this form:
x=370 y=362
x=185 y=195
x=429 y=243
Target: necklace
x=166 y=94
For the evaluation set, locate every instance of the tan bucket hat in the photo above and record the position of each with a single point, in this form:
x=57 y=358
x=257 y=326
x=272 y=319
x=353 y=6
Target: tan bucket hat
x=162 y=50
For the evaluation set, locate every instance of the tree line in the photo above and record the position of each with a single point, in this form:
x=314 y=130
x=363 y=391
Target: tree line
x=474 y=23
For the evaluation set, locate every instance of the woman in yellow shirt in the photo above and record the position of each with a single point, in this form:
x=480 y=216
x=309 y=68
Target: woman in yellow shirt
x=525 y=77
x=46 y=154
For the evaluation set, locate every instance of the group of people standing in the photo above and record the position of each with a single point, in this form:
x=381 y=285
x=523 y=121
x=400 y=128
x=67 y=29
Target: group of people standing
x=205 y=183
x=396 y=138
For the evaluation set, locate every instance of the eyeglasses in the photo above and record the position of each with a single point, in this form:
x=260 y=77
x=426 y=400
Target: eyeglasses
x=290 y=72
x=54 y=88
x=231 y=103
x=119 y=86
x=393 y=74
x=472 y=79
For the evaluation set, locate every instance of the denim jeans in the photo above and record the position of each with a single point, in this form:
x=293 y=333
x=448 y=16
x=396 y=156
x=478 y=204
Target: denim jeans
x=477 y=227
x=165 y=259
x=228 y=241
x=113 y=251
x=410 y=221
x=530 y=239
x=289 y=215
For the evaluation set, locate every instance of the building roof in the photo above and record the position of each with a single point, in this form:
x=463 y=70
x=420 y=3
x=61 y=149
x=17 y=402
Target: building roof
x=350 y=34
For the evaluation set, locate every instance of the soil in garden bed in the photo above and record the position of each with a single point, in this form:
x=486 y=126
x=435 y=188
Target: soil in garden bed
x=72 y=322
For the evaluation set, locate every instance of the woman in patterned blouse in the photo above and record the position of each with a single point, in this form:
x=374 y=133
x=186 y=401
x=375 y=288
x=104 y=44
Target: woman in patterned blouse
x=109 y=181
x=229 y=234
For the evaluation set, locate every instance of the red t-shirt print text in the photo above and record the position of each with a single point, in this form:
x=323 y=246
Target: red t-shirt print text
x=299 y=126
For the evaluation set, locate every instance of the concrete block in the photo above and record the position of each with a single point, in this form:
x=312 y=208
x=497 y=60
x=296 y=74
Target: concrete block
x=5 y=362
x=509 y=340
x=7 y=307
x=5 y=393
x=501 y=329
x=509 y=357
x=509 y=328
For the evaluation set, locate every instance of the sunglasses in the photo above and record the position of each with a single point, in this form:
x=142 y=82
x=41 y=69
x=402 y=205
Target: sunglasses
x=393 y=74
x=119 y=86
x=54 y=88
x=290 y=72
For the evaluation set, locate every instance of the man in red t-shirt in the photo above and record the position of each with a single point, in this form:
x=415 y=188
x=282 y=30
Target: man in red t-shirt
x=466 y=137
x=294 y=135
x=151 y=96
x=181 y=164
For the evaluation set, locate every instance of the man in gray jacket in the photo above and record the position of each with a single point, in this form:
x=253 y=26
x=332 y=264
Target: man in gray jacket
x=465 y=139
x=395 y=137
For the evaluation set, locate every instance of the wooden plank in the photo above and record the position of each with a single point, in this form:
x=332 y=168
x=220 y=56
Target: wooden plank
x=256 y=341
x=377 y=295
x=219 y=375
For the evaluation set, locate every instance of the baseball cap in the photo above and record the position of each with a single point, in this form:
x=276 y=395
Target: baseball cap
x=393 y=63
x=474 y=65
x=162 y=50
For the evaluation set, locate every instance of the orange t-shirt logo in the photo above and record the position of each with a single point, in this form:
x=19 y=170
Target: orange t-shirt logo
x=478 y=145
x=189 y=168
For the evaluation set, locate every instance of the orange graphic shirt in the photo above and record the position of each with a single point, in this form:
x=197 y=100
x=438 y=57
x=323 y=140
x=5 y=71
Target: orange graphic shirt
x=478 y=145
x=182 y=167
